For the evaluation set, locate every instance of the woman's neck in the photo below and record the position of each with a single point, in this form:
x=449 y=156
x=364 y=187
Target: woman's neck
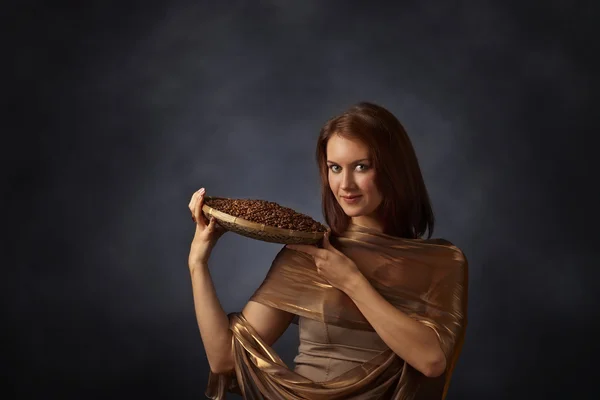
x=367 y=222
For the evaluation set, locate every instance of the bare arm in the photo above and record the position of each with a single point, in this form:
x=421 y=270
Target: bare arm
x=416 y=343
x=270 y=323
x=212 y=320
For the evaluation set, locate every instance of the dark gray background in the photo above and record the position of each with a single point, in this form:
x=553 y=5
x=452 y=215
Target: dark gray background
x=119 y=111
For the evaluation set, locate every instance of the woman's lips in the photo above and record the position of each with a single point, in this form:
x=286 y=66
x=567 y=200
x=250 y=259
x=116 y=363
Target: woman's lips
x=351 y=199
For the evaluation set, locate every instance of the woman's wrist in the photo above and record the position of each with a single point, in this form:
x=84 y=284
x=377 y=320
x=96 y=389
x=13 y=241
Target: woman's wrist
x=355 y=284
x=198 y=266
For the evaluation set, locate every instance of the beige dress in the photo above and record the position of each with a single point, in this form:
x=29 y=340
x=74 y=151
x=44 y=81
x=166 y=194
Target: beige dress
x=326 y=351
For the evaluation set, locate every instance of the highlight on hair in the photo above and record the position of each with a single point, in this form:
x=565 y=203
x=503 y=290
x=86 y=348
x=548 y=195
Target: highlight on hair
x=406 y=209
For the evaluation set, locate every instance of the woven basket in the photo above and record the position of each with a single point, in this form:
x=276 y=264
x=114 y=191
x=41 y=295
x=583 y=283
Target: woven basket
x=258 y=231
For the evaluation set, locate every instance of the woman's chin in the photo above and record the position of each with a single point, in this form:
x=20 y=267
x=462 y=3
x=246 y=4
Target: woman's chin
x=352 y=213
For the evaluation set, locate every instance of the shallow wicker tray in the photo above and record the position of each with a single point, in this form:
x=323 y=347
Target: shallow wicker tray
x=258 y=231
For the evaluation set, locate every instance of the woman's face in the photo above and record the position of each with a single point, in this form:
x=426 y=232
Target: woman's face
x=351 y=174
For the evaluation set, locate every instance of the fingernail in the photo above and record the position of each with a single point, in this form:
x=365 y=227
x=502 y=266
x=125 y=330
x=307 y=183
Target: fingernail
x=202 y=190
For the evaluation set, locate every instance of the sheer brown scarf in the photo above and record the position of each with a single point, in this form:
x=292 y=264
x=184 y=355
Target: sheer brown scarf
x=425 y=278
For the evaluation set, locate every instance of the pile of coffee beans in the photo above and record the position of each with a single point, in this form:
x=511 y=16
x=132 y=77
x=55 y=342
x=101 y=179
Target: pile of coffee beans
x=266 y=212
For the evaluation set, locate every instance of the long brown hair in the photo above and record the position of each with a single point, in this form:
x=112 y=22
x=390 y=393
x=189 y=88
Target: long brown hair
x=406 y=209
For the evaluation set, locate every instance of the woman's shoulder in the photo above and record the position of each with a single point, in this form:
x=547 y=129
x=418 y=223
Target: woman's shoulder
x=458 y=254
x=441 y=242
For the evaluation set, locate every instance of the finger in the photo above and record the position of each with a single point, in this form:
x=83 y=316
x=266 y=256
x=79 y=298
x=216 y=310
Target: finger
x=327 y=243
x=200 y=220
x=195 y=195
x=216 y=228
x=194 y=199
x=192 y=203
x=212 y=224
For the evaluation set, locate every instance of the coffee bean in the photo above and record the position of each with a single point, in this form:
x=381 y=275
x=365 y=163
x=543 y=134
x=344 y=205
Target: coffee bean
x=266 y=212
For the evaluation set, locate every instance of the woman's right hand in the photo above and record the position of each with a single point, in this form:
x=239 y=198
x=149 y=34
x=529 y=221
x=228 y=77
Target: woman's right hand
x=207 y=232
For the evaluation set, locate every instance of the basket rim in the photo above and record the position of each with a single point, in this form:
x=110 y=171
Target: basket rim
x=220 y=215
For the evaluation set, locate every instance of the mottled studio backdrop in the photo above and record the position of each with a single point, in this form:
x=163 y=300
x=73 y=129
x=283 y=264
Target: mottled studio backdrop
x=116 y=112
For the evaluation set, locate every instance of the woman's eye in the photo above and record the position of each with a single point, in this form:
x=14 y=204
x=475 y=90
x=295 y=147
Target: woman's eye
x=360 y=167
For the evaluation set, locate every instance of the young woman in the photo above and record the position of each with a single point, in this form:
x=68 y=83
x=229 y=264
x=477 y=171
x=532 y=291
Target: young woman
x=381 y=310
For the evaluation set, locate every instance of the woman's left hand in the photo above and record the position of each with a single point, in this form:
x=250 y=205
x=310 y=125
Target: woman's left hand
x=333 y=265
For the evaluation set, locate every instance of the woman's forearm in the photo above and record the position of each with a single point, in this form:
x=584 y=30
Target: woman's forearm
x=414 y=342
x=212 y=320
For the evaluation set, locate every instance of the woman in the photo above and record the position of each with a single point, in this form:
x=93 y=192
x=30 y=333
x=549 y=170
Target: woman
x=382 y=311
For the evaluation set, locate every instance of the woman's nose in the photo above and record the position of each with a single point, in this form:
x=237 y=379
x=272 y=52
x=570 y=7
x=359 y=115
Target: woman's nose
x=347 y=180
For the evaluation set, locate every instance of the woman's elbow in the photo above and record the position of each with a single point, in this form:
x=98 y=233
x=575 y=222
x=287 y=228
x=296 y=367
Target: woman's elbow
x=224 y=366
x=435 y=367
x=223 y=369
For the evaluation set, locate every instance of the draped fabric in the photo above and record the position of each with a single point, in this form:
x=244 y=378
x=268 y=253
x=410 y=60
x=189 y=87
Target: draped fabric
x=424 y=278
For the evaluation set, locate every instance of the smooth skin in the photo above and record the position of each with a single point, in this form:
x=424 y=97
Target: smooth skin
x=351 y=172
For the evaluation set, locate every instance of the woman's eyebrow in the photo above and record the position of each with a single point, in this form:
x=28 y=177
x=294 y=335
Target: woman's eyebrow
x=354 y=162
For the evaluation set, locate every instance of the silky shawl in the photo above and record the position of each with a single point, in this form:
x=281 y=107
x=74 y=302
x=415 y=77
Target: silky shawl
x=425 y=278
